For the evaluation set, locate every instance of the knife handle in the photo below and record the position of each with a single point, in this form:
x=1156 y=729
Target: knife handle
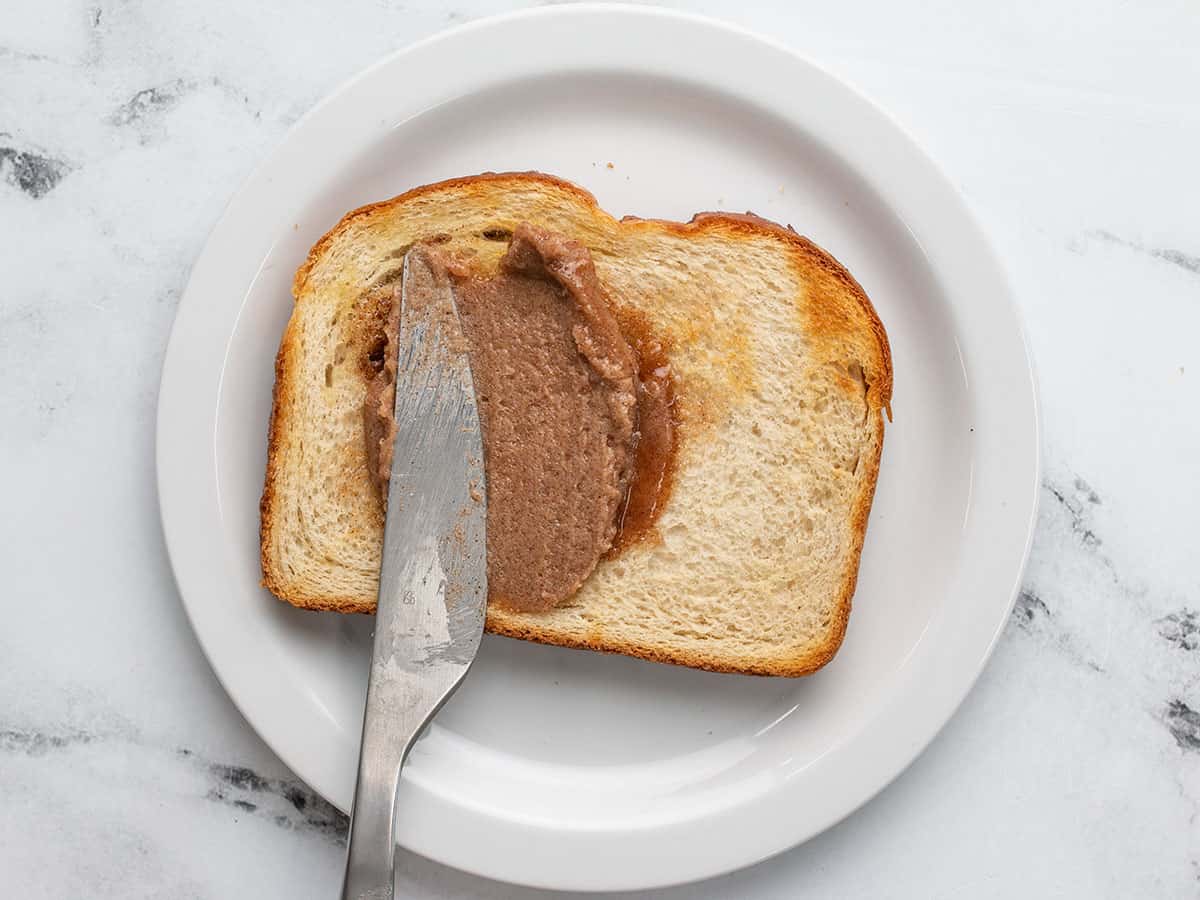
x=407 y=686
x=371 y=851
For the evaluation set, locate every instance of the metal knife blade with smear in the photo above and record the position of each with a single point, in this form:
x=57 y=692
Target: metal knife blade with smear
x=433 y=581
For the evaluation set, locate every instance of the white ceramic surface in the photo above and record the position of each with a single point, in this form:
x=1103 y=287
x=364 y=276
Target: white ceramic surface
x=622 y=774
x=1072 y=769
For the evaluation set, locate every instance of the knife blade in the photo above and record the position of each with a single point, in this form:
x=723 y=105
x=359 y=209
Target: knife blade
x=433 y=578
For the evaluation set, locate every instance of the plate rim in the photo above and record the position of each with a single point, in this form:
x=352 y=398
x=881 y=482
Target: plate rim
x=173 y=505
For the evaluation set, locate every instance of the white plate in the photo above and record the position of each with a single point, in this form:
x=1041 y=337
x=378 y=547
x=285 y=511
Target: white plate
x=574 y=770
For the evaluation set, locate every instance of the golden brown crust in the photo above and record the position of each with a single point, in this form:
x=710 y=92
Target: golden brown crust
x=466 y=182
x=749 y=224
x=827 y=318
x=800 y=665
x=266 y=505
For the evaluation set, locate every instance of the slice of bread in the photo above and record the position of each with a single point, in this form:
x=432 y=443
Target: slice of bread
x=782 y=374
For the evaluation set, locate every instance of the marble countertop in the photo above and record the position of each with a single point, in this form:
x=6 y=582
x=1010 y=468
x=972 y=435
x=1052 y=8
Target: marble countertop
x=1073 y=130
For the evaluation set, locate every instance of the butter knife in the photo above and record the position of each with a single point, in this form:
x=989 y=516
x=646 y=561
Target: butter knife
x=433 y=580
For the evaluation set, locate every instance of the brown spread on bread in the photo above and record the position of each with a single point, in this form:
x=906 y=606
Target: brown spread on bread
x=577 y=424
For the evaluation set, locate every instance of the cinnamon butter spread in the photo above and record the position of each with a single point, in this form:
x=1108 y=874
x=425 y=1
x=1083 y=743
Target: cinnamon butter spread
x=577 y=425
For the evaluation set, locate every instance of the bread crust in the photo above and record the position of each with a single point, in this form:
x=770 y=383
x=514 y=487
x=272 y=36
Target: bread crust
x=826 y=317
